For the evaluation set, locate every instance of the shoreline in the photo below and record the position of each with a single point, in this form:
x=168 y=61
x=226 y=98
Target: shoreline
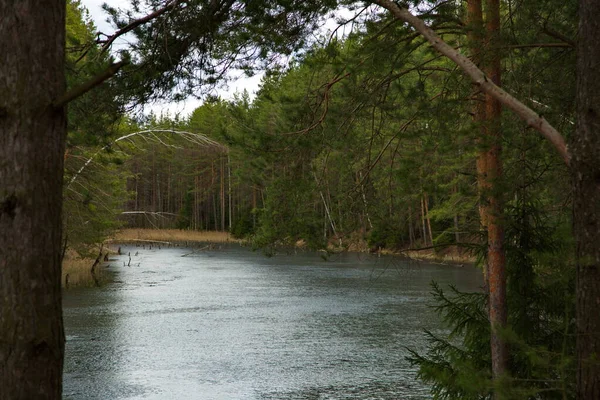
x=449 y=256
x=170 y=236
x=78 y=271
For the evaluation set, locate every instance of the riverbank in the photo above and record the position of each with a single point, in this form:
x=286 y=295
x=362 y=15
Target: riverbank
x=171 y=236
x=448 y=255
x=442 y=255
x=78 y=271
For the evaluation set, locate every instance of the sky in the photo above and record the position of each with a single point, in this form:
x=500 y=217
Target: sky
x=184 y=108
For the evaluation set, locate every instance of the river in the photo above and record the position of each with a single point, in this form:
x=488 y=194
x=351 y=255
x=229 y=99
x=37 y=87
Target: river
x=229 y=323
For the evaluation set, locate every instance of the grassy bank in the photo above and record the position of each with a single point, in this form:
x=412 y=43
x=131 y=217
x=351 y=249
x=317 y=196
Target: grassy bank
x=171 y=235
x=77 y=271
x=449 y=255
x=444 y=255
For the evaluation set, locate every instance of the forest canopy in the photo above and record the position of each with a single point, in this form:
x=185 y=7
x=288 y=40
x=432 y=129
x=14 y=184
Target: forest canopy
x=429 y=125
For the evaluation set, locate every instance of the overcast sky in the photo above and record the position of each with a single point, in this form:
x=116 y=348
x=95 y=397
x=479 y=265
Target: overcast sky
x=238 y=85
x=183 y=108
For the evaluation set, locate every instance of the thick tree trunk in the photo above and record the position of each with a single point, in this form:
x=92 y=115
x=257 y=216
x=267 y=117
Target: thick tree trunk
x=32 y=145
x=475 y=38
x=495 y=237
x=487 y=114
x=586 y=199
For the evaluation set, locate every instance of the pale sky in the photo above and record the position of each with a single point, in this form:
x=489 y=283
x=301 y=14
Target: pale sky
x=183 y=108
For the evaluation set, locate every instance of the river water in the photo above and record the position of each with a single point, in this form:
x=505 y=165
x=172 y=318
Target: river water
x=229 y=323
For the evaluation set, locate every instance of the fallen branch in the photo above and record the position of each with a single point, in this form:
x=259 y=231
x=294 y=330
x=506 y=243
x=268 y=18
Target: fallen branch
x=195 y=251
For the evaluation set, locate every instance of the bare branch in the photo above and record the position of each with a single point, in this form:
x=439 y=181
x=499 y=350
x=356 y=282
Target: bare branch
x=559 y=36
x=196 y=138
x=537 y=45
x=479 y=78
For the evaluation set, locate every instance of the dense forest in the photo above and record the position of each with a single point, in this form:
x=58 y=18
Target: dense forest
x=377 y=138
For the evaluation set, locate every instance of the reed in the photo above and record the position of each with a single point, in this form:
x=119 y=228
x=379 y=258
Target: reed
x=77 y=272
x=172 y=235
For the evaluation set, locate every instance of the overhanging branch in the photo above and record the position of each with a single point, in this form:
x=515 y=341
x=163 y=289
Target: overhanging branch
x=530 y=117
x=89 y=85
x=135 y=23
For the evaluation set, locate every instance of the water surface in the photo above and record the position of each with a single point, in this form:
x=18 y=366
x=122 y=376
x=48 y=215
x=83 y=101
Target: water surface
x=232 y=324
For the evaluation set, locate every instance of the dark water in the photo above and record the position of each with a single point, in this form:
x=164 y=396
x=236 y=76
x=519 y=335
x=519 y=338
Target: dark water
x=233 y=324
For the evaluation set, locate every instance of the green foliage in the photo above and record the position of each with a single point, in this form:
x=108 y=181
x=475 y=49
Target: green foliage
x=184 y=219
x=457 y=367
x=289 y=216
x=93 y=202
x=370 y=137
x=94 y=190
x=243 y=227
x=183 y=52
x=541 y=324
x=92 y=117
x=386 y=234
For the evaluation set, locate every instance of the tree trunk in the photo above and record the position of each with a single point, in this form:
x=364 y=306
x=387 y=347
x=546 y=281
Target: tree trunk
x=455 y=219
x=475 y=39
x=586 y=199
x=495 y=251
x=222 y=193
x=423 y=222
x=229 y=193
x=32 y=145
x=411 y=233
x=426 y=202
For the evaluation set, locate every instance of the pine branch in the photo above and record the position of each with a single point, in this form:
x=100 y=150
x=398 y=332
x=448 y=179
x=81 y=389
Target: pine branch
x=134 y=24
x=82 y=89
x=532 y=118
x=537 y=45
x=559 y=36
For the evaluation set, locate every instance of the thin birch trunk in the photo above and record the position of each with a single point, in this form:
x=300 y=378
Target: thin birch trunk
x=426 y=201
x=411 y=233
x=423 y=222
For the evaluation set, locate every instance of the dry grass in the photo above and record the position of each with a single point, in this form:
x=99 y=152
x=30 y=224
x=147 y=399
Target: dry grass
x=450 y=255
x=77 y=271
x=172 y=235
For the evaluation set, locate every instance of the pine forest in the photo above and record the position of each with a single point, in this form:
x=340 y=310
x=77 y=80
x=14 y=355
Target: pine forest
x=440 y=129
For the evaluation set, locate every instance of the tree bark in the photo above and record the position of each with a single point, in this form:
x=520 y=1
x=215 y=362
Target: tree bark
x=586 y=201
x=486 y=114
x=495 y=238
x=222 y=193
x=423 y=221
x=32 y=146
x=411 y=233
x=475 y=39
x=426 y=202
